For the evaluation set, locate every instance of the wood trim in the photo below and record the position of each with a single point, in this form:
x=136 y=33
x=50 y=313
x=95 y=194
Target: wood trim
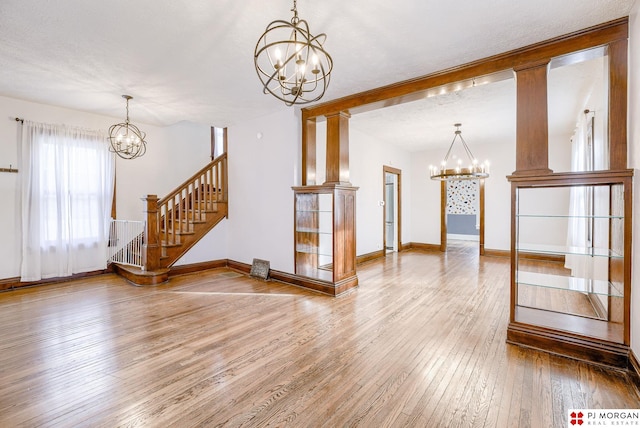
x=628 y=253
x=482 y=215
x=324 y=287
x=634 y=371
x=496 y=253
x=196 y=267
x=309 y=152
x=421 y=246
x=532 y=129
x=572 y=178
x=151 y=248
x=556 y=342
x=137 y=276
x=113 y=200
x=405 y=247
x=374 y=255
x=391 y=170
x=412 y=89
x=8 y=284
x=337 y=157
x=443 y=216
x=617 y=128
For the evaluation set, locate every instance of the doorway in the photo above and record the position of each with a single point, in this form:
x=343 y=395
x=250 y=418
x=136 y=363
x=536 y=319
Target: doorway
x=392 y=209
x=462 y=213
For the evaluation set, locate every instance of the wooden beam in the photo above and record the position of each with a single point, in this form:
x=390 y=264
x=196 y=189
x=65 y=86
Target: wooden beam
x=410 y=90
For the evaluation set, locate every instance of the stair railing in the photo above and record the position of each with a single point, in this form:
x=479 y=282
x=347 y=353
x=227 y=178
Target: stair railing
x=126 y=238
x=169 y=218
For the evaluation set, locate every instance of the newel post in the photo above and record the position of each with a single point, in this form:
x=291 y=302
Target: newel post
x=151 y=247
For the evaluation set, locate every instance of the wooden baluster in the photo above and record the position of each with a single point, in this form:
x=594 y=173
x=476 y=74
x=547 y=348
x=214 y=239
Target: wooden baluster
x=200 y=190
x=209 y=201
x=193 y=202
x=171 y=213
x=178 y=202
x=224 y=163
x=216 y=181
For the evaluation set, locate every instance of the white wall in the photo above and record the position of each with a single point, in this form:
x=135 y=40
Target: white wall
x=261 y=174
x=367 y=156
x=173 y=154
x=634 y=162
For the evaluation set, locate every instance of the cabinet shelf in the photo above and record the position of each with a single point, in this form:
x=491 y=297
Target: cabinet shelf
x=565 y=250
x=313 y=230
x=581 y=285
x=310 y=249
x=550 y=216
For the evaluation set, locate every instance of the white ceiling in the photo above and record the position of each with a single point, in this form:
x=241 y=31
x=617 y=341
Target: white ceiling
x=192 y=60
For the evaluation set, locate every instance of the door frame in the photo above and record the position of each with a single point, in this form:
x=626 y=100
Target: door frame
x=443 y=215
x=397 y=172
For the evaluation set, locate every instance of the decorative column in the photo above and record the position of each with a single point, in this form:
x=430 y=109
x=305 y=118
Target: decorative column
x=532 y=127
x=151 y=247
x=338 y=149
x=309 y=152
x=617 y=56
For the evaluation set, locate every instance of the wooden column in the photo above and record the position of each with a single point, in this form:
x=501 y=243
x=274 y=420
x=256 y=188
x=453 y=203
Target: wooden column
x=443 y=216
x=481 y=191
x=617 y=55
x=532 y=128
x=151 y=247
x=309 y=152
x=338 y=149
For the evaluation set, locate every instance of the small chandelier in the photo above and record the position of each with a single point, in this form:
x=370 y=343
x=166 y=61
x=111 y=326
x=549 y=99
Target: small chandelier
x=291 y=63
x=127 y=141
x=459 y=172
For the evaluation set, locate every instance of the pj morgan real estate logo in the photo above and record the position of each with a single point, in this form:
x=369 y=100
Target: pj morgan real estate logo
x=603 y=418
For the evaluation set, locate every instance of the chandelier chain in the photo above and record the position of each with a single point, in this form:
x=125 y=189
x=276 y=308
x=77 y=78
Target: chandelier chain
x=295 y=18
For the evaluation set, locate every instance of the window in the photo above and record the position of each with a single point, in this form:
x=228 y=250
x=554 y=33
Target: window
x=66 y=200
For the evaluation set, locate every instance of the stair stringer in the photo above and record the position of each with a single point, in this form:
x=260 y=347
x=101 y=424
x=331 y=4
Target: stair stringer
x=172 y=253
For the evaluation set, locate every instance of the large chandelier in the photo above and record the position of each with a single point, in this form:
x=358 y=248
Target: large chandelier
x=472 y=171
x=127 y=141
x=291 y=63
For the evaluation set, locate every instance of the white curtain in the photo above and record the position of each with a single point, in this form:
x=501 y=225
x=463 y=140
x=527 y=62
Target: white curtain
x=579 y=199
x=67 y=182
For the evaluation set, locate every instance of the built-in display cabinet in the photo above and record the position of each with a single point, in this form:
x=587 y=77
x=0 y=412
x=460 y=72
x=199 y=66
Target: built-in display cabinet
x=571 y=265
x=324 y=236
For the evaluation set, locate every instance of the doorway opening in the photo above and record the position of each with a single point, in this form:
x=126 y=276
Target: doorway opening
x=462 y=214
x=392 y=209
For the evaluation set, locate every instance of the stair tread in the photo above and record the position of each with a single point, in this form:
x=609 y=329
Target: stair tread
x=167 y=245
x=177 y=232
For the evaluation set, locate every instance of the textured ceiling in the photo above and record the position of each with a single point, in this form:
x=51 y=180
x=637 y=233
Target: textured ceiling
x=193 y=61
x=487 y=112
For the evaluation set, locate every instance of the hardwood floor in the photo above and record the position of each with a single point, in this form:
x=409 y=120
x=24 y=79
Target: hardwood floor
x=421 y=343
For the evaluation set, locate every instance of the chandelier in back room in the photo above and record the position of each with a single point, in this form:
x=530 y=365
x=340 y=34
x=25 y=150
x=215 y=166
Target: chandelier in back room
x=473 y=170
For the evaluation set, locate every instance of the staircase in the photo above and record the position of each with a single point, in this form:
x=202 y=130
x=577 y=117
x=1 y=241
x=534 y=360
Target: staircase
x=176 y=222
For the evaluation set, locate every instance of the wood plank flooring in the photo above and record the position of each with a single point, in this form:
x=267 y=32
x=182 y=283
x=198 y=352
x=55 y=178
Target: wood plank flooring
x=421 y=343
